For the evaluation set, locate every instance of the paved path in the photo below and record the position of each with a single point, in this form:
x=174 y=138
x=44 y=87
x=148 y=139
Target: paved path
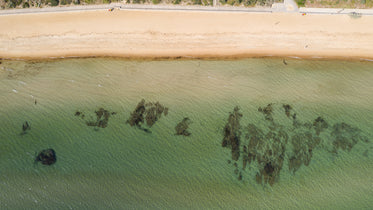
x=336 y=11
x=287 y=6
x=133 y=7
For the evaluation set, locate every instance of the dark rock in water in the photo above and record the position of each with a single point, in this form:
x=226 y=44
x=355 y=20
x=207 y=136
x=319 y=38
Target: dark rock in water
x=77 y=113
x=287 y=108
x=320 y=125
x=181 y=128
x=145 y=129
x=46 y=157
x=26 y=126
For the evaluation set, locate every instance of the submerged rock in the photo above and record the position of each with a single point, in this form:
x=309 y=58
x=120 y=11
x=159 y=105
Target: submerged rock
x=181 y=128
x=25 y=127
x=46 y=157
x=287 y=108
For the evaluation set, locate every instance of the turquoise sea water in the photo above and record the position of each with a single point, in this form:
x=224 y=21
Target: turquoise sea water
x=123 y=167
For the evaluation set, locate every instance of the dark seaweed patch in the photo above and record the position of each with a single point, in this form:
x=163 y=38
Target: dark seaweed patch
x=268 y=150
x=181 y=128
x=148 y=114
x=267 y=147
x=346 y=136
x=287 y=108
x=303 y=144
x=232 y=133
x=267 y=111
x=137 y=117
x=320 y=125
x=102 y=118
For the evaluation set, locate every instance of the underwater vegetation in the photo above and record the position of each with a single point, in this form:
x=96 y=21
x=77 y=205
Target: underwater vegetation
x=232 y=133
x=146 y=112
x=181 y=127
x=262 y=147
x=278 y=143
x=102 y=118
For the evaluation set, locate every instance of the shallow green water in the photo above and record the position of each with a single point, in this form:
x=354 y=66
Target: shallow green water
x=124 y=167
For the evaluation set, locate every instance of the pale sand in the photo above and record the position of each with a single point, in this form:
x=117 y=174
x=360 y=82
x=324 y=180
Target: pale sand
x=176 y=33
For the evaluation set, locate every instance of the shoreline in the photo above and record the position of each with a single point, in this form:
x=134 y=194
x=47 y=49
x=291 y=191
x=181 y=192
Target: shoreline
x=186 y=58
x=184 y=35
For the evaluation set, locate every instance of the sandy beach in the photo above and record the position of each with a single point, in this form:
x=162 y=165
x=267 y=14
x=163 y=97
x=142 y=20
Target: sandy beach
x=167 y=34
